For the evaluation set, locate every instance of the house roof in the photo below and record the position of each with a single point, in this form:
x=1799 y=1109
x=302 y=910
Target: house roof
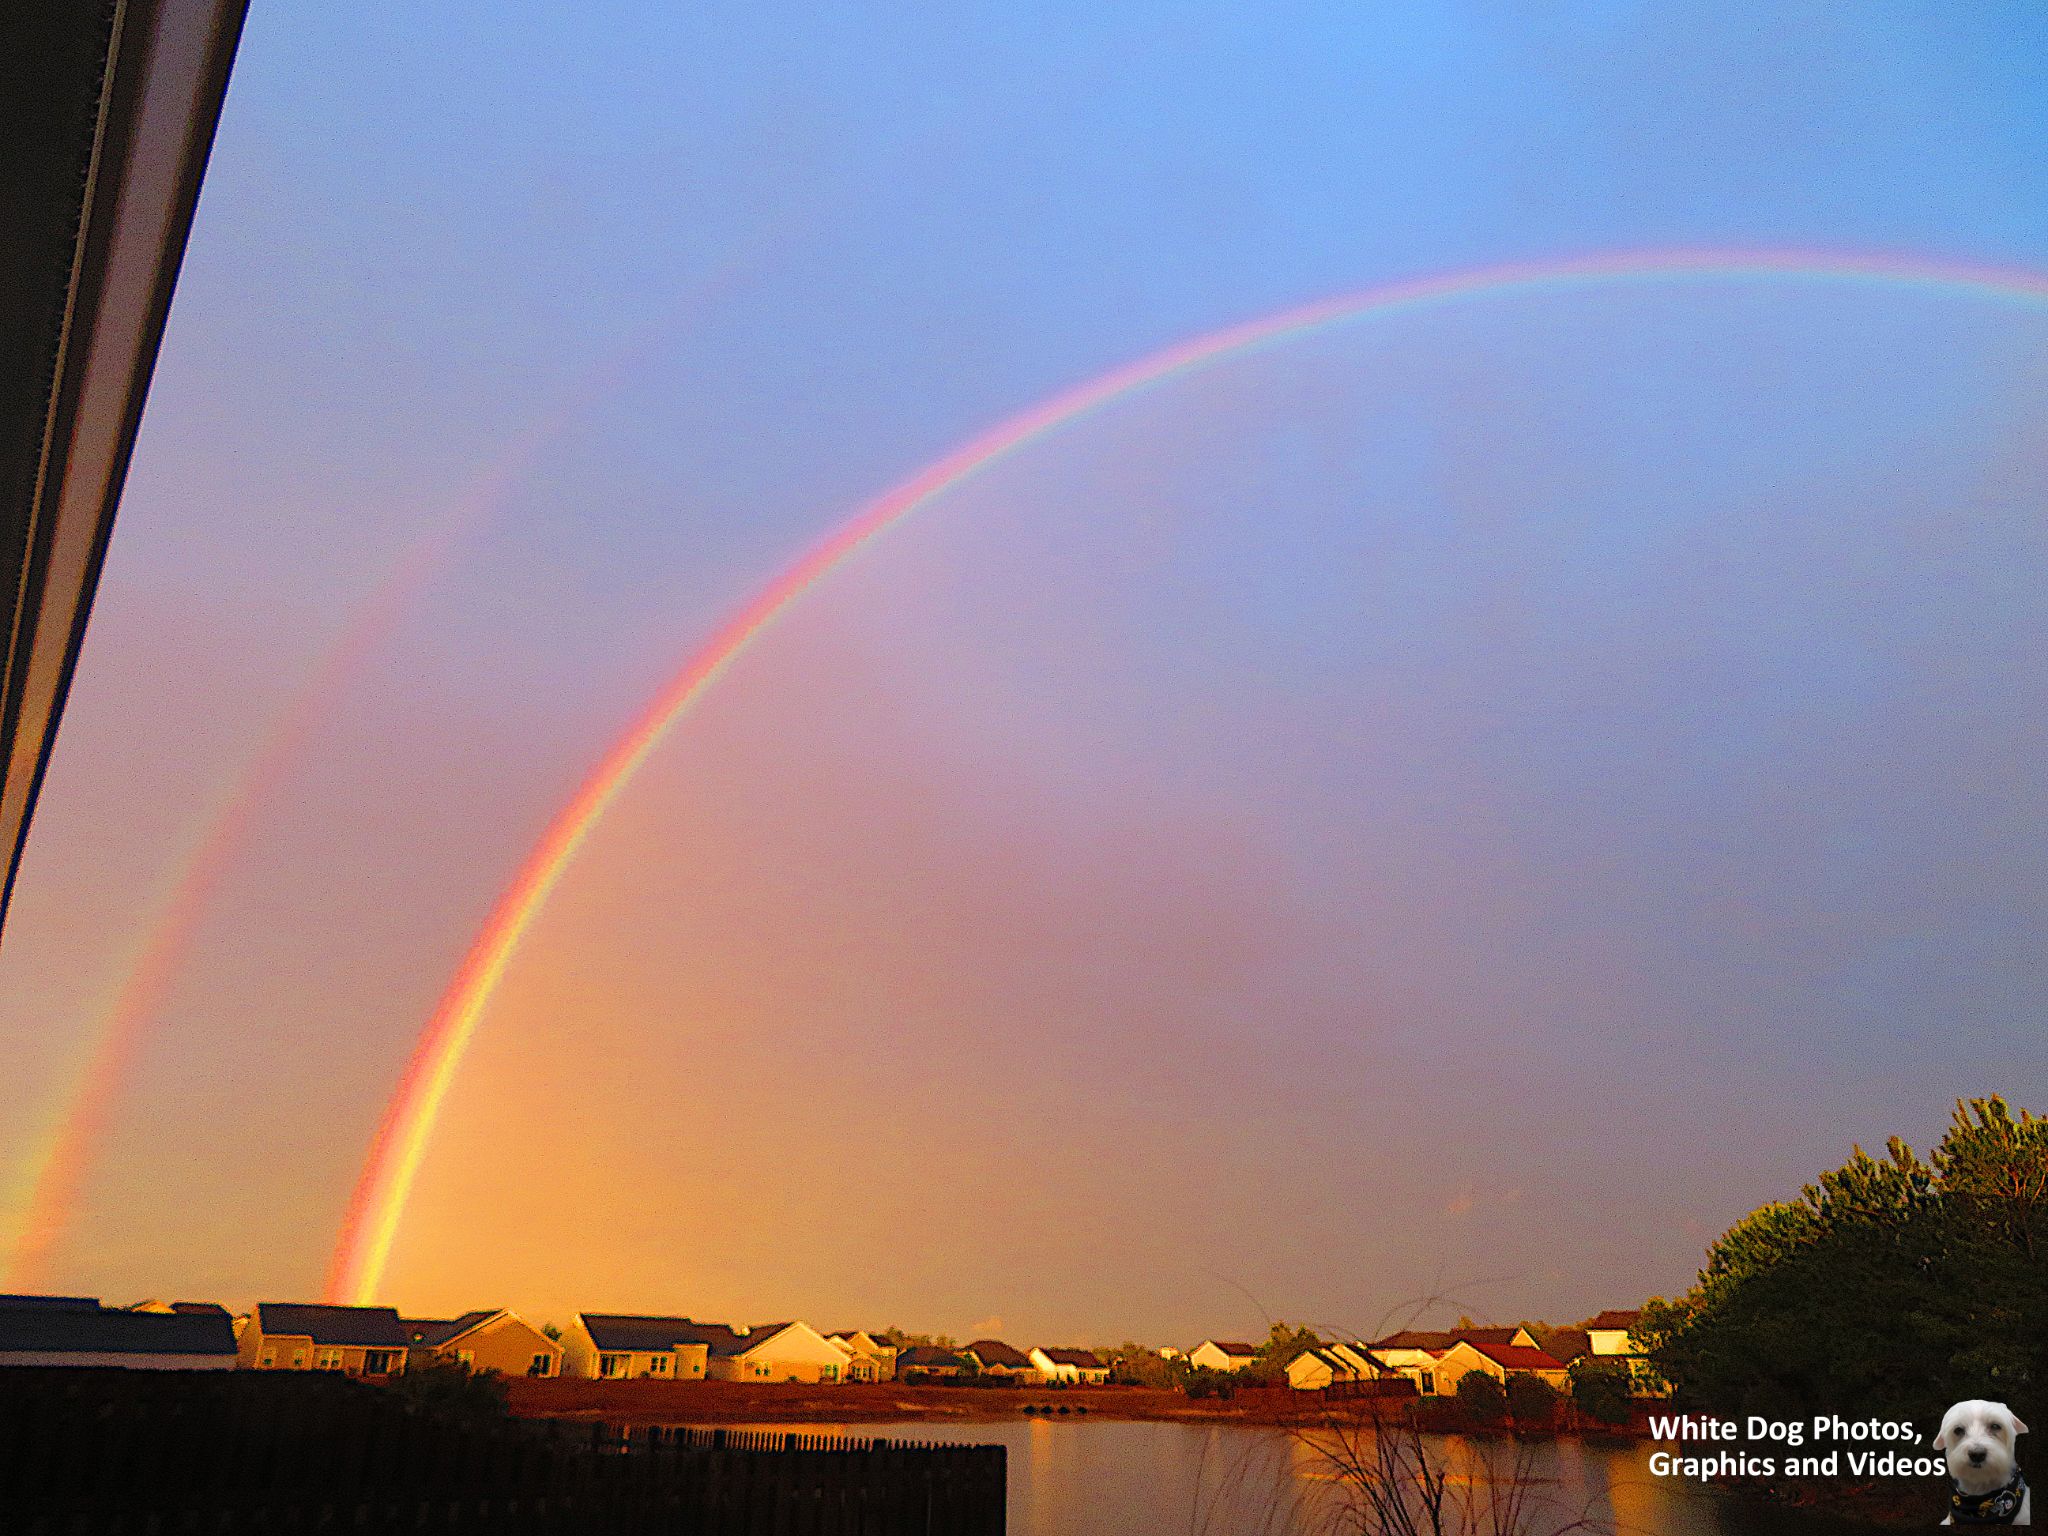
x=1231 y=1347
x=357 y=1327
x=1085 y=1359
x=1436 y=1341
x=97 y=1330
x=64 y=1303
x=434 y=1332
x=1517 y=1357
x=992 y=1352
x=200 y=1308
x=734 y=1343
x=926 y=1356
x=637 y=1333
x=1617 y=1318
x=1566 y=1343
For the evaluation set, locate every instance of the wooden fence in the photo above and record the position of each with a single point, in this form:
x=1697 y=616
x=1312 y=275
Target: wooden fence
x=135 y=1453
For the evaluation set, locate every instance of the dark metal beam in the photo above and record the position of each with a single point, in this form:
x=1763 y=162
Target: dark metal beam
x=107 y=115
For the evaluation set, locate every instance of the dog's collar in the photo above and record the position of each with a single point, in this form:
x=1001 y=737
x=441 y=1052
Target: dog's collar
x=2001 y=1506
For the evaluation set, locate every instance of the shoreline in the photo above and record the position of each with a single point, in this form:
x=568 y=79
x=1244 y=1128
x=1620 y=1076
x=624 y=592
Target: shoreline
x=646 y=1402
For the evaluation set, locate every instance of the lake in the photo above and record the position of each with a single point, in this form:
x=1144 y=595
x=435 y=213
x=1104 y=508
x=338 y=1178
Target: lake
x=1106 y=1477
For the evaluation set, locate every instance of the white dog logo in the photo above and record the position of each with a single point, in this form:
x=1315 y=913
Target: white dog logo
x=1984 y=1471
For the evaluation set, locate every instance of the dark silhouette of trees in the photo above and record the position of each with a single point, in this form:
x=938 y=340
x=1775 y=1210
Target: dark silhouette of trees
x=1890 y=1286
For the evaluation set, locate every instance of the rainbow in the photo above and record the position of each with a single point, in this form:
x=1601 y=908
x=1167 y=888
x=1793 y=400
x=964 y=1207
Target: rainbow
x=47 y=1182
x=377 y=1207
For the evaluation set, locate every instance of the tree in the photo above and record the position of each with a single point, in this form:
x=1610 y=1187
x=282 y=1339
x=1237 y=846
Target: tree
x=1600 y=1391
x=1530 y=1399
x=1482 y=1399
x=1888 y=1285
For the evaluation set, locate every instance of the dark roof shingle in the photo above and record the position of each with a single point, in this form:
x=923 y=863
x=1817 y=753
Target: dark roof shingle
x=1086 y=1359
x=432 y=1332
x=112 y=1331
x=994 y=1352
x=350 y=1327
x=637 y=1333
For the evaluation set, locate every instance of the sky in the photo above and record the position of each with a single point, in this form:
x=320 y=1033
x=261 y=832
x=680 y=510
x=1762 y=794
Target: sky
x=1463 y=803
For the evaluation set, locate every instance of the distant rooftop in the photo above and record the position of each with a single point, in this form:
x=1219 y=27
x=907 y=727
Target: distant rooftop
x=97 y=1330
x=346 y=1327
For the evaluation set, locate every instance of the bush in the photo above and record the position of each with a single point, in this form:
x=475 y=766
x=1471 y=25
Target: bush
x=1601 y=1391
x=1531 y=1400
x=1482 y=1399
x=451 y=1391
x=1202 y=1382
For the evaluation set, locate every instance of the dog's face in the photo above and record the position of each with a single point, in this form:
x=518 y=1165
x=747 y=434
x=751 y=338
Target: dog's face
x=1978 y=1437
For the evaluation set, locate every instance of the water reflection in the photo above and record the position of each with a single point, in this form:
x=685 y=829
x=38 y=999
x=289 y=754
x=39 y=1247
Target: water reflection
x=1099 y=1477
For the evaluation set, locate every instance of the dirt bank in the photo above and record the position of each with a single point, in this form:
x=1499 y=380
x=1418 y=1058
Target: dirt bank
x=737 y=1402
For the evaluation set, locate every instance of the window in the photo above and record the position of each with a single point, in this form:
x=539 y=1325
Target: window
x=380 y=1362
x=1429 y=1383
x=543 y=1365
x=298 y=1359
x=658 y=1366
x=329 y=1360
x=612 y=1365
x=268 y=1362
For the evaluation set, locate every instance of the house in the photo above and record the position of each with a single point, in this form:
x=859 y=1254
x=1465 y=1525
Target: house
x=1314 y=1369
x=868 y=1358
x=1222 y=1355
x=202 y=1308
x=777 y=1352
x=1613 y=1341
x=491 y=1340
x=77 y=1330
x=927 y=1362
x=1611 y=1334
x=1567 y=1344
x=619 y=1346
x=303 y=1336
x=1070 y=1365
x=1333 y=1364
x=1500 y=1361
x=1416 y=1352
x=992 y=1357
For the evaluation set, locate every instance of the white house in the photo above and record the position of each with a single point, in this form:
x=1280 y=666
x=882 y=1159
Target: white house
x=77 y=1330
x=1612 y=1338
x=1500 y=1361
x=621 y=1346
x=312 y=1336
x=1070 y=1365
x=1417 y=1352
x=777 y=1352
x=491 y=1340
x=1333 y=1364
x=995 y=1358
x=1611 y=1334
x=1222 y=1355
x=867 y=1357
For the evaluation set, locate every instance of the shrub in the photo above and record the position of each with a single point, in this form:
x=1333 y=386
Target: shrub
x=1482 y=1399
x=1531 y=1399
x=450 y=1390
x=1601 y=1391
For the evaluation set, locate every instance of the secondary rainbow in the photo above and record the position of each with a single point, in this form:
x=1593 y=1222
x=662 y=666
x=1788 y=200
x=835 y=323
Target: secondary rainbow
x=377 y=1206
x=46 y=1184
